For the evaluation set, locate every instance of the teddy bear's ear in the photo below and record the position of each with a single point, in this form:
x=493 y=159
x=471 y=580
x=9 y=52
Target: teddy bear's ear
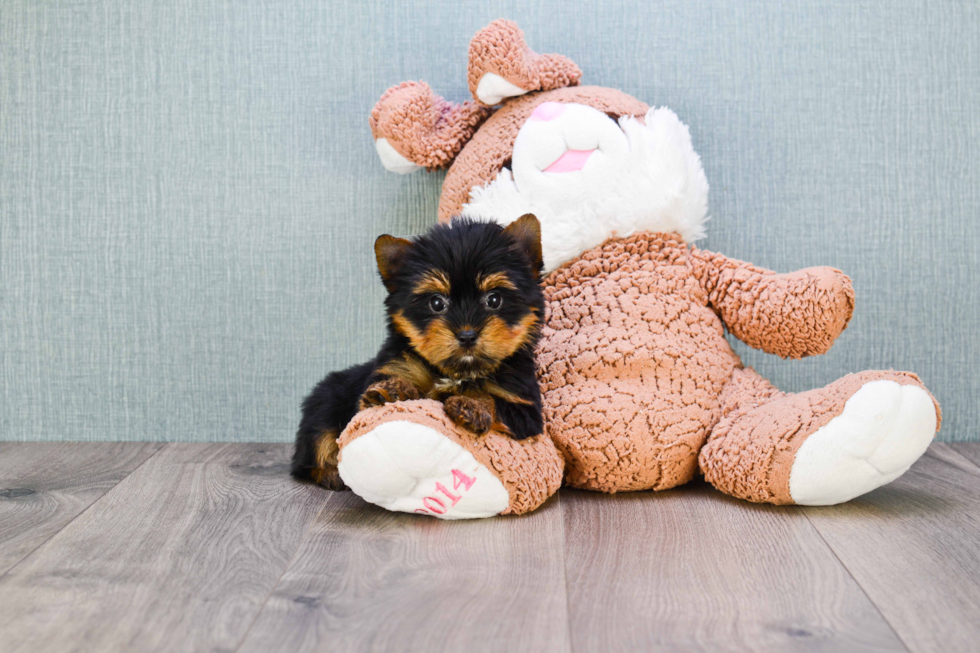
x=414 y=128
x=502 y=66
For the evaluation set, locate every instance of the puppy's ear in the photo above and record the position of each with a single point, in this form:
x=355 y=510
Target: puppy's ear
x=390 y=252
x=526 y=233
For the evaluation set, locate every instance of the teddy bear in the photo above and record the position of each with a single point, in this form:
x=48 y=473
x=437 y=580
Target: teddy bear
x=641 y=390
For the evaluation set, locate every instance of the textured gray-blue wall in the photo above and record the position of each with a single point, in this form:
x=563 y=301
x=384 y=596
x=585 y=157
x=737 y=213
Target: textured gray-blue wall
x=189 y=192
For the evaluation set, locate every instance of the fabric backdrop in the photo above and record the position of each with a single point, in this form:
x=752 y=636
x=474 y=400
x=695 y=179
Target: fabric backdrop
x=189 y=192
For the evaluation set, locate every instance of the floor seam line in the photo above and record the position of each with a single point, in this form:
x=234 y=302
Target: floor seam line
x=847 y=569
x=285 y=569
x=85 y=510
x=950 y=447
x=564 y=569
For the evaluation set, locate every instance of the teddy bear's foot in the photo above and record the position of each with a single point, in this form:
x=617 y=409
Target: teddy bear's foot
x=883 y=428
x=410 y=457
x=410 y=467
x=821 y=447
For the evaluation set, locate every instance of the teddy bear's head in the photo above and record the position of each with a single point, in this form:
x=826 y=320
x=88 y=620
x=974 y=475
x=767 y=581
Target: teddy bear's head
x=590 y=162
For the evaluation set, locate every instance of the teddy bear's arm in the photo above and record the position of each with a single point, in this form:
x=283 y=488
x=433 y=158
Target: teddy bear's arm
x=413 y=127
x=792 y=315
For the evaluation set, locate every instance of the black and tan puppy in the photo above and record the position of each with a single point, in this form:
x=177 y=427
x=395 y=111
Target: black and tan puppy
x=464 y=308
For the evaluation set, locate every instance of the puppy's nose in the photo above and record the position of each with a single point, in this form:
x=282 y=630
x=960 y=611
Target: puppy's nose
x=466 y=337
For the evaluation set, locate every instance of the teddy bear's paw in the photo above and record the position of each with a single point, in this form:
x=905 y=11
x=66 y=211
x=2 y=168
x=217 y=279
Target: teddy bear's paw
x=392 y=160
x=494 y=89
x=883 y=429
x=409 y=467
x=501 y=65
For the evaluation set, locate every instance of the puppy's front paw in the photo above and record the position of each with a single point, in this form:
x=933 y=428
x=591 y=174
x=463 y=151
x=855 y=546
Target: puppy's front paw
x=388 y=391
x=472 y=414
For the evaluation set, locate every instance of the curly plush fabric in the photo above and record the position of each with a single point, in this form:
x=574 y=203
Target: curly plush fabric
x=636 y=374
x=632 y=364
x=531 y=469
x=500 y=49
x=423 y=127
x=791 y=315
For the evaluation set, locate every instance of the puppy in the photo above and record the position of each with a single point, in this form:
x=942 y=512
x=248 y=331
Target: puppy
x=464 y=309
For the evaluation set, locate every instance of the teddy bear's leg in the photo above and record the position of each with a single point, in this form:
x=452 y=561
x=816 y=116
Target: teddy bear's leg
x=409 y=456
x=502 y=65
x=821 y=447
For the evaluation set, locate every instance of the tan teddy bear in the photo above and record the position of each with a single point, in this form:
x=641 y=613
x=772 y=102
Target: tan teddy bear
x=641 y=390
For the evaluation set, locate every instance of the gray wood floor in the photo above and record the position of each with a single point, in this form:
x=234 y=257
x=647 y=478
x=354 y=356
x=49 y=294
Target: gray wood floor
x=212 y=547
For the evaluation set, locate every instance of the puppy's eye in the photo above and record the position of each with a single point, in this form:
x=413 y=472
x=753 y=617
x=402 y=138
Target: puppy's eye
x=438 y=304
x=493 y=300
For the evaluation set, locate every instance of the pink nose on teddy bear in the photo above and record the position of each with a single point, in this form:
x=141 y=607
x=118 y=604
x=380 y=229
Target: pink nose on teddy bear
x=548 y=111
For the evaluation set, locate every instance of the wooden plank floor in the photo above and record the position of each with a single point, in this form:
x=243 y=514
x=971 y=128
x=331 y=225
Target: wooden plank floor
x=190 y=547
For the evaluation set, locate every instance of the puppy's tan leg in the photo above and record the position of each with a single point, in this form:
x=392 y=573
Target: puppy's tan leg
x=327 y=453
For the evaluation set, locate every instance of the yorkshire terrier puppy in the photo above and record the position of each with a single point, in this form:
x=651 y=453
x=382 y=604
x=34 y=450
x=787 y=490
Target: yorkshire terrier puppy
x=464 y=309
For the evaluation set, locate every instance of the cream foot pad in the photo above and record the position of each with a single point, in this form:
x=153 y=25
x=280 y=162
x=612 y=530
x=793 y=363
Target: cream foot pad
x=409 y=467
x=883 y=429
